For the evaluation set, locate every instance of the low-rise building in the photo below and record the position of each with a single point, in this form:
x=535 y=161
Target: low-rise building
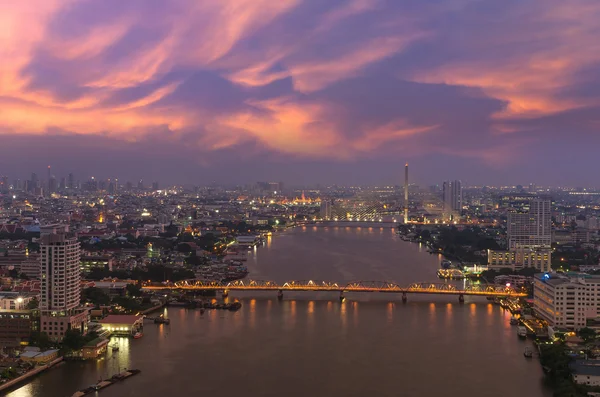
x=39 y=357
x=16 y=327
x=517 y=259
x=586 y=372
x=94 y=348
x=567 y=300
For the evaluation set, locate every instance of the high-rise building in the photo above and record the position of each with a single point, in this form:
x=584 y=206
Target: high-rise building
x=71 y=181
x=3 y=184
x=63 y=183
x=60 y=283
x=140 y=184
x=406 y=193
x=532 y=229
x=154 y=186
x=452 y=198
x=52 y=185
x=34 y=182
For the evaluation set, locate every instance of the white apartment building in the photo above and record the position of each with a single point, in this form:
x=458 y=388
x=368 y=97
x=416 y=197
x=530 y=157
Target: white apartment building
x=60 y=282
x=531 y=229
x=567 y=301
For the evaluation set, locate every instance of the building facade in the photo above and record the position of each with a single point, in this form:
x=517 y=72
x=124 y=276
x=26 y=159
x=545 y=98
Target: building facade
x=520 y=258
x=452 y=198
x=60 y=283
x=566 y=301
x=532 y=229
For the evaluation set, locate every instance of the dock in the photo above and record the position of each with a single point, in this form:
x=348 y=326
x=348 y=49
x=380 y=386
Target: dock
x=106 y=383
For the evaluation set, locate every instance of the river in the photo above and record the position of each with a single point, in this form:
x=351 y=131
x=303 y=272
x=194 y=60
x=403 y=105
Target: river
x=310 y=344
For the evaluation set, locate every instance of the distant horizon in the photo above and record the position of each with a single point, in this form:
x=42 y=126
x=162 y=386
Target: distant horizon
x=223 y=183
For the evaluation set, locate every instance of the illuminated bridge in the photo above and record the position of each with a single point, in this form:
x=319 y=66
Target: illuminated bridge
x=485 y=290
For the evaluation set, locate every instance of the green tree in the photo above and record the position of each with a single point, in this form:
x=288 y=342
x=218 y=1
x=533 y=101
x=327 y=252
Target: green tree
x=133 y=290
x=96 y=296
x=587 y=334
x=40 y=339
x=73 y=340
x=33 y=304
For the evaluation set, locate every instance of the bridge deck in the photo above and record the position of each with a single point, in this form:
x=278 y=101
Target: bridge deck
x=361 y=286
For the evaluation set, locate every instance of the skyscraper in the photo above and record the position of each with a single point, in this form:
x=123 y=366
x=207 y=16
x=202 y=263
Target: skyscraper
x=60 y=285
x=406 y=193
x=71 y=181
x=532 y=229
x=452 y=198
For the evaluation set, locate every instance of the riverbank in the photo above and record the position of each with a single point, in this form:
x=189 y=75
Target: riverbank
x=33 y=372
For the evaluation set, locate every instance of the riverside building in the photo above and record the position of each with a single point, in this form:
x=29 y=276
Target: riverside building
x=567 y=301
x=60 y=283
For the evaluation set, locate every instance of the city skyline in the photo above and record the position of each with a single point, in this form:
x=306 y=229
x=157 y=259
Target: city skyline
x=302 y=91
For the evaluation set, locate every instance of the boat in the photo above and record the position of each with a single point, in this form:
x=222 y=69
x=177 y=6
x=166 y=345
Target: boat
x=514 y=321
x=528 y=353
x=522 y=331
x=446 y=264
x=137 y=335
x=115 y=348
x=162 y=320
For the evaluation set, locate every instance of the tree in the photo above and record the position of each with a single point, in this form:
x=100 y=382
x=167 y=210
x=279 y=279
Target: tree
x=40 y=339
x=96 y=296
x=587 y=334
x=73 y=339
x=33 y=304
x=133 y=290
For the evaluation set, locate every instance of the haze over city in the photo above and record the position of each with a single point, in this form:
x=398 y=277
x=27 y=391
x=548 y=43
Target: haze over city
x=302 y=91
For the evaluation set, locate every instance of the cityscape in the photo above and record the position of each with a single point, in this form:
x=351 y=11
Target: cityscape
x=299 y=198
x=87 y=263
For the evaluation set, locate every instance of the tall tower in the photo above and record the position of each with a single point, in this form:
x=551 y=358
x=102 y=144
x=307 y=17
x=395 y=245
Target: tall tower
x=406 y=193
x=60 y=286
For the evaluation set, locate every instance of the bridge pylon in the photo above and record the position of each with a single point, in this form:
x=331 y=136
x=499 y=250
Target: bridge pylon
x=461 y=298
x=280 y=294
x=342 y=297
x=404 y=297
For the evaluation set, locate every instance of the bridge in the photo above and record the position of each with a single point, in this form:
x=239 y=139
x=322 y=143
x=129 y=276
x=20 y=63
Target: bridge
x=485 y=290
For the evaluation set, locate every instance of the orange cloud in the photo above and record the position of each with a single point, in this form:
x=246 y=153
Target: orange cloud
x=531 y=80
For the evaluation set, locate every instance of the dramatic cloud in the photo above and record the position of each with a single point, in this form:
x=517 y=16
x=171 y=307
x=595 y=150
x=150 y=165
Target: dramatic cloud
x=302 y=82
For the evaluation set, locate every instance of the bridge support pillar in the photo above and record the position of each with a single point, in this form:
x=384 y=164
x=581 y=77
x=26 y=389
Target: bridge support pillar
x=225 y=293
x=461 y=298
x=404 y=297
x=280 y=294
x=342 y=297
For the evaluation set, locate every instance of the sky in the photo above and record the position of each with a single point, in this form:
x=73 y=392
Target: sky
x=302 y=91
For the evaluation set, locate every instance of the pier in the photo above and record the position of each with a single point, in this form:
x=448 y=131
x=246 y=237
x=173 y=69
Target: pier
x=103 y=384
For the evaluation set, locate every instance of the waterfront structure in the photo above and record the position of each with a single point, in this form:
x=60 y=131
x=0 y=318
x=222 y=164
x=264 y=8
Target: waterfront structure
x=519 y=258
x=60 y=283
x=452 y=191
x=566 y=301
x=126 y=325
x=94 y=348
x=533 y=228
